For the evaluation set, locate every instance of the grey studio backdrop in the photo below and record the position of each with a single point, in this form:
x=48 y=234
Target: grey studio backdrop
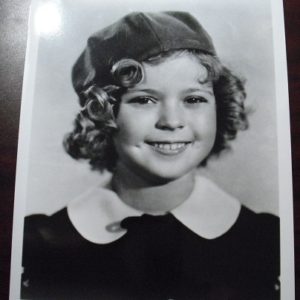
x=242 y=34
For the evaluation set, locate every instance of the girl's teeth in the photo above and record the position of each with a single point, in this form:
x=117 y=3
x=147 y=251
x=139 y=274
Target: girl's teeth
x=173 y=146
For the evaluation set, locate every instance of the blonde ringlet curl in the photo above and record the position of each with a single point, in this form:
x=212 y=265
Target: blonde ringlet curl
x=127 y=72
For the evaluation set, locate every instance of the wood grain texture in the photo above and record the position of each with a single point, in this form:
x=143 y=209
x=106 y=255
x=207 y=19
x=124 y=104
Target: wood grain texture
x=13 y=24
x=292 y=28
x=13 y=35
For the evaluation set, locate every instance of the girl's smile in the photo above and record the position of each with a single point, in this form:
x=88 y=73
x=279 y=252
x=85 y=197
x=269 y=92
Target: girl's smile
x=169 y=148
x=167 y=122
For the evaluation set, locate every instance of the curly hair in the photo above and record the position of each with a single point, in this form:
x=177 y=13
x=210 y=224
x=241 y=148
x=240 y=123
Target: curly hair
x=94 y=126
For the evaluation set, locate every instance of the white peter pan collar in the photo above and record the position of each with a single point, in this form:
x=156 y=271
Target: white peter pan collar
x=209 y=212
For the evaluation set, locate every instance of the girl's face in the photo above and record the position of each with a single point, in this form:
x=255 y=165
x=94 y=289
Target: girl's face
x=167 y=122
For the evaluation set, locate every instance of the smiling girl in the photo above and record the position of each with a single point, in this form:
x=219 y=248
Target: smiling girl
x=156 y=105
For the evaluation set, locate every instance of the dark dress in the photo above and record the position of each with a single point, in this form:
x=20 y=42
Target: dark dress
x=158 y=258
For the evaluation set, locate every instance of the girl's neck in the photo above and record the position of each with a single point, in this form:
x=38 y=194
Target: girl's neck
x=145 y=196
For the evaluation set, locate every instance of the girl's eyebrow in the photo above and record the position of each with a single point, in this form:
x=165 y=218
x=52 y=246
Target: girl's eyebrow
x=192 y=90
x=148 y=91
x=156 y=92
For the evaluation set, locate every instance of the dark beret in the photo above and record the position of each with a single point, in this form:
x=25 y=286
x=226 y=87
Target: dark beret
x=137 y=36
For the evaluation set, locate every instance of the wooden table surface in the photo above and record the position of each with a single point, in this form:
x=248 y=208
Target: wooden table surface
x=13 y=30
x=292 y=28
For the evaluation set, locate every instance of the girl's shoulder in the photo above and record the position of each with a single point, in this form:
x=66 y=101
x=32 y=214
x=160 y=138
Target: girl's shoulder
x=258 y=228
x=45 y=232
x=256 y=237
x=257 y=219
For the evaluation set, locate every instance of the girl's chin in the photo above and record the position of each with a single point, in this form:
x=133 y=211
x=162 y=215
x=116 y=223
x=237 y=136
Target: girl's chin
x=164 y=176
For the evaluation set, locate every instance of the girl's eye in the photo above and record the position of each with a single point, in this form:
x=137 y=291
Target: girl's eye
x=195 y=100
x=142 y=100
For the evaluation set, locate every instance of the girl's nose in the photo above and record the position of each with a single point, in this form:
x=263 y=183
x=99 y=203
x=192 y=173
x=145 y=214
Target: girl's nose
x=170 y=118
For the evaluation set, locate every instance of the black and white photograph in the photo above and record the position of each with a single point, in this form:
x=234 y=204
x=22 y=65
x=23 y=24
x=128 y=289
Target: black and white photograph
x=154 y=152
